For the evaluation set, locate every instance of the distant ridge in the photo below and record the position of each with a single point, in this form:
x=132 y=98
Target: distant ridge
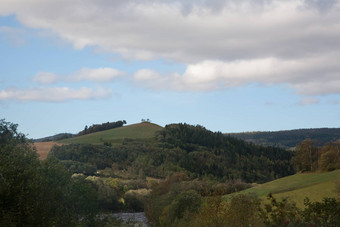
x=290 y=138
x=56 y=137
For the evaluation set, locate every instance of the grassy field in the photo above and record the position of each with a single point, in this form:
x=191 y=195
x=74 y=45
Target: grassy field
x=143 y=130
x=316 y=186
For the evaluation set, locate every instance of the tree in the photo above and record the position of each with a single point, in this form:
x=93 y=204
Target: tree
x=306 y=156
x=34 y=193
x=18 y=177
x=330 y=156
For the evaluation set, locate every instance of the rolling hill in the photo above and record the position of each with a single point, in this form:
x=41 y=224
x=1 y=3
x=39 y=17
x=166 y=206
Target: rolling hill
x=144 y=130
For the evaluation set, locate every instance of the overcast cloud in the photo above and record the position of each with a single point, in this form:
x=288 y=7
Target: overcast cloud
x=223 y=43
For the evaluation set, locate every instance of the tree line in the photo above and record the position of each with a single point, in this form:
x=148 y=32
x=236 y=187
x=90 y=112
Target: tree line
x=101 y=127
x=310 y=157
x=290 y=138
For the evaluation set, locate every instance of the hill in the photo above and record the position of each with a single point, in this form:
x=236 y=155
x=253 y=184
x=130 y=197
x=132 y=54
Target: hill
x=316 y=186
x=290 y=138
x=144 y=130
x=177 y=147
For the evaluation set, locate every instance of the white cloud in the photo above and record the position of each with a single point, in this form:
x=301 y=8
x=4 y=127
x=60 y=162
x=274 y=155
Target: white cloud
x=53 y=94
x=99 y=75
x=302 y=75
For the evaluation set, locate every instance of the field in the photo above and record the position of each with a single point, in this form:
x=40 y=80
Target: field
x=43 y=148
x=316 y=186
x=117 y=135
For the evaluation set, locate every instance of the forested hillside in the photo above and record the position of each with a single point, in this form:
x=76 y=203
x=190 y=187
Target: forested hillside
x=182 y=147
x=290 y=138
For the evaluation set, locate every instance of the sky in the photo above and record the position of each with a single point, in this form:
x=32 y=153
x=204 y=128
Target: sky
x=230 y=66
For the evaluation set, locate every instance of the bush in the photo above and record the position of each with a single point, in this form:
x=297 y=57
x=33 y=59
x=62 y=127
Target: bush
x=134 y=202
x=185 y=205
x=325 y=213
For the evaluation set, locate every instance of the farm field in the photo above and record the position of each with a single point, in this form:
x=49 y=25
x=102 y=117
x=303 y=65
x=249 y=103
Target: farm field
x=43 y=148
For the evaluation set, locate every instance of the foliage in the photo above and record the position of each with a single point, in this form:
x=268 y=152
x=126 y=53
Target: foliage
x=330 y=156
x=308 y=157
x=34 y=193
x=212 y=153
x=325 y=213
x=241 y=210
x=79 y=167
x=281 y=213
x=285 y=213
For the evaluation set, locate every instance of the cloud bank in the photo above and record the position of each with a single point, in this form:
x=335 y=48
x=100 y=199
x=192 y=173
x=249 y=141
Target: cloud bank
x=223 y=43
x=317 y=75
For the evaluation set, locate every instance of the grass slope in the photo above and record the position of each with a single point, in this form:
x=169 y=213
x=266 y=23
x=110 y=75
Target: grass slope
x=143 y=130
x=316 y=186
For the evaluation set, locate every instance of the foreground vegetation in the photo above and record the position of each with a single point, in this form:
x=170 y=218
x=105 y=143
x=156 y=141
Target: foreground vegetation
x=178 y=175
x=34 y=193
x=181 y=202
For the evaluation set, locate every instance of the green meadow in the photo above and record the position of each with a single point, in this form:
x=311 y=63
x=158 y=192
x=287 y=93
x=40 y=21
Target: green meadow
x=297 y=187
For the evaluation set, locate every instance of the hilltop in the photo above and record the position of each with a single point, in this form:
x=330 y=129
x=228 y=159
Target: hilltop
x=290 y=138
x=144 y=130
x=139 y=131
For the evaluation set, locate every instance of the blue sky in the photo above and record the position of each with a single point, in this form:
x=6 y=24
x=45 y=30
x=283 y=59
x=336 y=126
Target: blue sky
x=230 y=66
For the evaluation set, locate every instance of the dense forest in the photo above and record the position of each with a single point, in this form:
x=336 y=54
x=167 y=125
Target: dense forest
x=290 y=138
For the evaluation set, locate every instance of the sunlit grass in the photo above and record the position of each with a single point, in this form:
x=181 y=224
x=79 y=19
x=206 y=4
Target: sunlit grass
x=316 y=186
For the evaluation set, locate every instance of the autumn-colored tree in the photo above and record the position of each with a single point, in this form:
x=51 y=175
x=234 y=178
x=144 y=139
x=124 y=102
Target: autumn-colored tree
x=306 y=156
x=330 y=156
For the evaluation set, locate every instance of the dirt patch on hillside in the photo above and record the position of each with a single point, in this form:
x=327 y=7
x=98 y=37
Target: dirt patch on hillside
x=43 y=148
